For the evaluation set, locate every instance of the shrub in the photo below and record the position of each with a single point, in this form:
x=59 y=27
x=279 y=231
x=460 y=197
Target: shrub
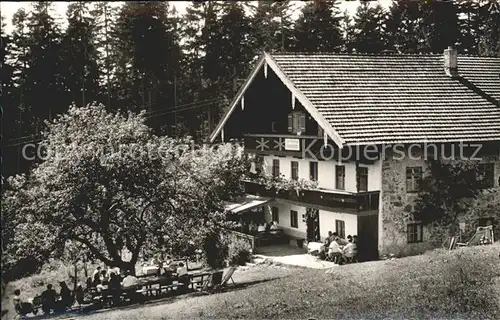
x=239 y=252
x=215 y=251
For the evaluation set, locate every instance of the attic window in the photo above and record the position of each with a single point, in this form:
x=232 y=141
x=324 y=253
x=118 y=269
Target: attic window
x=297 y=122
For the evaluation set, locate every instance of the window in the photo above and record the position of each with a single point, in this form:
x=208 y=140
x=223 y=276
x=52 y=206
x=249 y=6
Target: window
x=363 y=178
x=297 y=122
x=276 y=168
x=294 y=219
x=313 y=171
x=273 y=126
x=340 y=228
x=486 y=175
x=321 y=132
x=414 y=232
x=340 y=177
x=413 y=176
x=295 y=170
x=275 y=214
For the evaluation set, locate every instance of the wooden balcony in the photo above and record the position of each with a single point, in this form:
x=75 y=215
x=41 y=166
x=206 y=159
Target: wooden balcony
x=312 y=147
x=321 y=198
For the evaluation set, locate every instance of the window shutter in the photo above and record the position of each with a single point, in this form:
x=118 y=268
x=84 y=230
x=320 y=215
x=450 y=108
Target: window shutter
x=290 y=122
x=302 y=123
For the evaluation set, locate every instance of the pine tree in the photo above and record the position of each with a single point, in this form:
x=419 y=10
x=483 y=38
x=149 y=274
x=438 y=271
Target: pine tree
x=272 y=26
x=44 y=93
x=369 y=30
x=438 y=25
x=347 y=27
x=148 y=56
x=318 y=27
x=489 y=43
x=403 y=29
x=104 y=16
x=80 y=55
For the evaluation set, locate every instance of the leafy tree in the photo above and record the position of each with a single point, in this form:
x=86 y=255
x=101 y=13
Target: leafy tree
x=369 y=30
x=446 y=192
x=318 y=27
x=80 y=55
x=119 y=186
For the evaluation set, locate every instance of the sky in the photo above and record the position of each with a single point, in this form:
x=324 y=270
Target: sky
x=8 y=8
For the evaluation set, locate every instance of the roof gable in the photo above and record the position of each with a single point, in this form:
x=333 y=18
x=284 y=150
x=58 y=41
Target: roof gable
x=386 y=99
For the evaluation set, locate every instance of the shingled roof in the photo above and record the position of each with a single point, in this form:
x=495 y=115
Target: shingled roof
x=386 y=99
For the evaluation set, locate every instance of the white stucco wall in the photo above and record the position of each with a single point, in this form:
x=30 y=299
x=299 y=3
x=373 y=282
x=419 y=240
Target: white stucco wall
x=326 y=172
x=326 y=220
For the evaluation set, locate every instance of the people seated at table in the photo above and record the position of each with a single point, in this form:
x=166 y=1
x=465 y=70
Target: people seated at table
x=329 y=239
x=88 y=283
x=104 y=277
x=274 y=228
x=48 y=299
x=262 y=227
x=335 y=250
x=96 y=280
x=22 y=307
x=129 y=281
x=96 y=271
x=114 y=287
x=66 y=297
x=252 y=227
x=79 y=294
x=350 y=250
x=183 y=276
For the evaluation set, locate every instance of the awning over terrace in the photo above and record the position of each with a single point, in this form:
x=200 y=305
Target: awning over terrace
x=246 y=203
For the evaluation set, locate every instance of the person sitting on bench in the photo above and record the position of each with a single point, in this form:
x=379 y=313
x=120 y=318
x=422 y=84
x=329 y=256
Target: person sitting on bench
x=350 y=250
x=23 y=308
x=274 y=228
x=335 y=251
x=261 y=228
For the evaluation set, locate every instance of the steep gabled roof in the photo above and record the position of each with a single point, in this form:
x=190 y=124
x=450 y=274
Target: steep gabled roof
x=386 y=99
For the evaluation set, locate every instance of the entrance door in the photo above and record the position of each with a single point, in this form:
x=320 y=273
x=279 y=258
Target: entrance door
x=368 y=237
x=312 y=222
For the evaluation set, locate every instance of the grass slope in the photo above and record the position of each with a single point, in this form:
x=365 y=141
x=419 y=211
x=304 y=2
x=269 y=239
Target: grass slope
x=462 y=284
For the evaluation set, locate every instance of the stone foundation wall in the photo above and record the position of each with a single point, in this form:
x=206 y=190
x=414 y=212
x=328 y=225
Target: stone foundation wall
x=396 y=206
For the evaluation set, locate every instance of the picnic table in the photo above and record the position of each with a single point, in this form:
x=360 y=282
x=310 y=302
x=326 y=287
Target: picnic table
x=154 y=286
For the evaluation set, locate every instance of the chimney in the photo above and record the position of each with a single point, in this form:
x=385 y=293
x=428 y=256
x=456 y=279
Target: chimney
x=450 y=62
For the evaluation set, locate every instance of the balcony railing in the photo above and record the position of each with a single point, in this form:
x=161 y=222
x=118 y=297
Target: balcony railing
x=354 y=202
x=312 y=147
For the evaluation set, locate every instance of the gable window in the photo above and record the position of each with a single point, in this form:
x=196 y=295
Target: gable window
x=485 y=172
x=313 y=170
x=340 y=177
x=413 y=176
x=363 y=178
x=295 y=170
x=340 y=228
x=297 y=122
x=275 y=214
x=294 y=219
x=273 y=127
x=276 y=168
x=414 y=232
x=321 y=132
